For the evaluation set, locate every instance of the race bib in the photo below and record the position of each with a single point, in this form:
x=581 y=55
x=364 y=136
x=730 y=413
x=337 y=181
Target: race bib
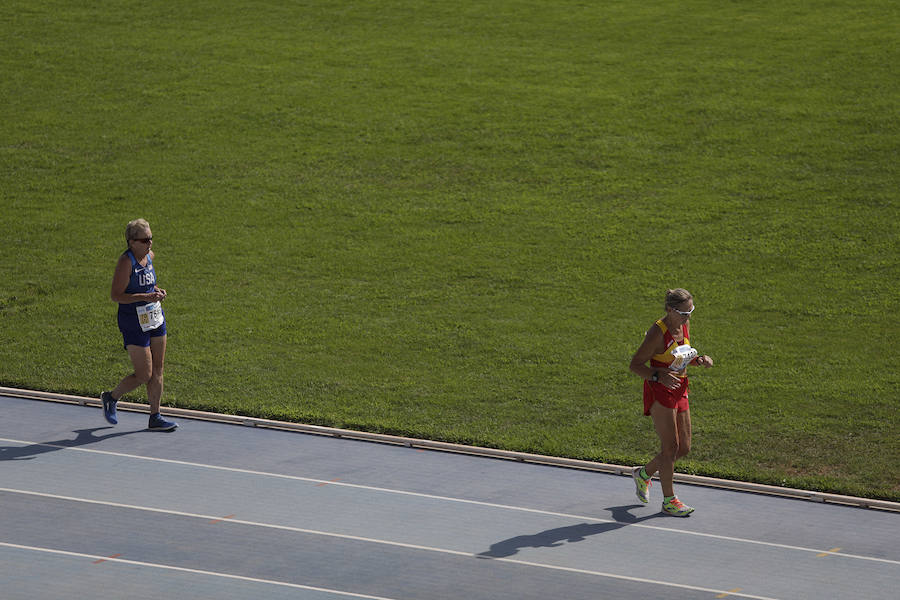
x=683 y=355
x=150 y=316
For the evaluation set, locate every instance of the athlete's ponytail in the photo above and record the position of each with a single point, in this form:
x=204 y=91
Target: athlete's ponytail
x=676 y=297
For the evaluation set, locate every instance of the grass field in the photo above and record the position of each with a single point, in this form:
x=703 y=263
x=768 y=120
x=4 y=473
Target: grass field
x=457 y=220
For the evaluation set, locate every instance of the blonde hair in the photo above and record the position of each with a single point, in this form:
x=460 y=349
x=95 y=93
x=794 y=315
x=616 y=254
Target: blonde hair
x=133 y=227
x=676 y=297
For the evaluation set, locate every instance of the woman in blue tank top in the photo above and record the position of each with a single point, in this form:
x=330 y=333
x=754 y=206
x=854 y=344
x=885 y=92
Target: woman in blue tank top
x=142 y=323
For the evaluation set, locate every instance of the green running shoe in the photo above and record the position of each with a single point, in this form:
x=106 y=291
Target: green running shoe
x=642 y=486
x=676 y=507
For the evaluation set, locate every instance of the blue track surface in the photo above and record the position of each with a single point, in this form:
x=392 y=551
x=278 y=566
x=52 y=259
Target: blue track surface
x=222 y=511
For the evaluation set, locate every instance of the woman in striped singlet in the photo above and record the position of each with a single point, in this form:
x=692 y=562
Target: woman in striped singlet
x=666 y=348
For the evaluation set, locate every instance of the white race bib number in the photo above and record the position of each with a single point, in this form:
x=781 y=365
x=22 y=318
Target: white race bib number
x=150 y=316
x=683 y=355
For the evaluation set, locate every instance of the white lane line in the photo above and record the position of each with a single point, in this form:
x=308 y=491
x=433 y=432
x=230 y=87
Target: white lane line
x=358 y=539
x=451 y=499
x=634 y=579
x=192 y=571
x=178 y=513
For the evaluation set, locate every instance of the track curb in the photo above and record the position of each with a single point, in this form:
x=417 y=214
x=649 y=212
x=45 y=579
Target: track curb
x=570 y=463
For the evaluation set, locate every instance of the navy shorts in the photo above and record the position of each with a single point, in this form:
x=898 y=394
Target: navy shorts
x=133 y=335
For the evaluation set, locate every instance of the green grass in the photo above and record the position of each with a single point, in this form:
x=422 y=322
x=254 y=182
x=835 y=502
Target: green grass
x=456 y=221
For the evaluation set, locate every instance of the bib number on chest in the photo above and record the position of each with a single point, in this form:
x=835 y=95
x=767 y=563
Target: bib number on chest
x=150 y=316
x=683 y=355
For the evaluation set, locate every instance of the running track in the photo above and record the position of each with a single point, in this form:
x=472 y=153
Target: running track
x=216 y=510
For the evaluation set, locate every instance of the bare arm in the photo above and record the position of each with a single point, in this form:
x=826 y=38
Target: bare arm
x=652 y=344
x=703 y=361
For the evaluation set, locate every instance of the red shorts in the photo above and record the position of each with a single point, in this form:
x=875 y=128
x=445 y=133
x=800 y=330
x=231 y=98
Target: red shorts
x=657 y=392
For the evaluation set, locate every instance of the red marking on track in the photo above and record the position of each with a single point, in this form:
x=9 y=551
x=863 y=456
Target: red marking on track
x=220 y=520
x=326 y=482
x=103 y=560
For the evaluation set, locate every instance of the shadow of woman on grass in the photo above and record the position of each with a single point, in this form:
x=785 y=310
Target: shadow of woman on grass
x=83 y=437
x=553 y=538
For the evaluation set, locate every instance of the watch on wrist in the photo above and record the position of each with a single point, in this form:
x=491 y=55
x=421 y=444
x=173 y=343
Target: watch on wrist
x=655 y=376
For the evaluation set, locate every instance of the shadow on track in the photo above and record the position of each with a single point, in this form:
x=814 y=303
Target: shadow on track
x=553 y=538
x=83 y=437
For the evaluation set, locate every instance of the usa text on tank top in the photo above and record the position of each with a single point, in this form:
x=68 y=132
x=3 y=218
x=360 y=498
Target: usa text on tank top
x=143 y=277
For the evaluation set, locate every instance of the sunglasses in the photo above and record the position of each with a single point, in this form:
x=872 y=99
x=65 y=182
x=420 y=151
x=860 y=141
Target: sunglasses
x=684 y=313
x=146 y=240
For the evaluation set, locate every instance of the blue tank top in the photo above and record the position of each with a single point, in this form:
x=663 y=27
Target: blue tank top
x=142 y=281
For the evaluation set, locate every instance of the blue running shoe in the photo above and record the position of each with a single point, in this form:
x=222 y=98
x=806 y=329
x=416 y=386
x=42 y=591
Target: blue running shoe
x=109 y=408
x=159 y=424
